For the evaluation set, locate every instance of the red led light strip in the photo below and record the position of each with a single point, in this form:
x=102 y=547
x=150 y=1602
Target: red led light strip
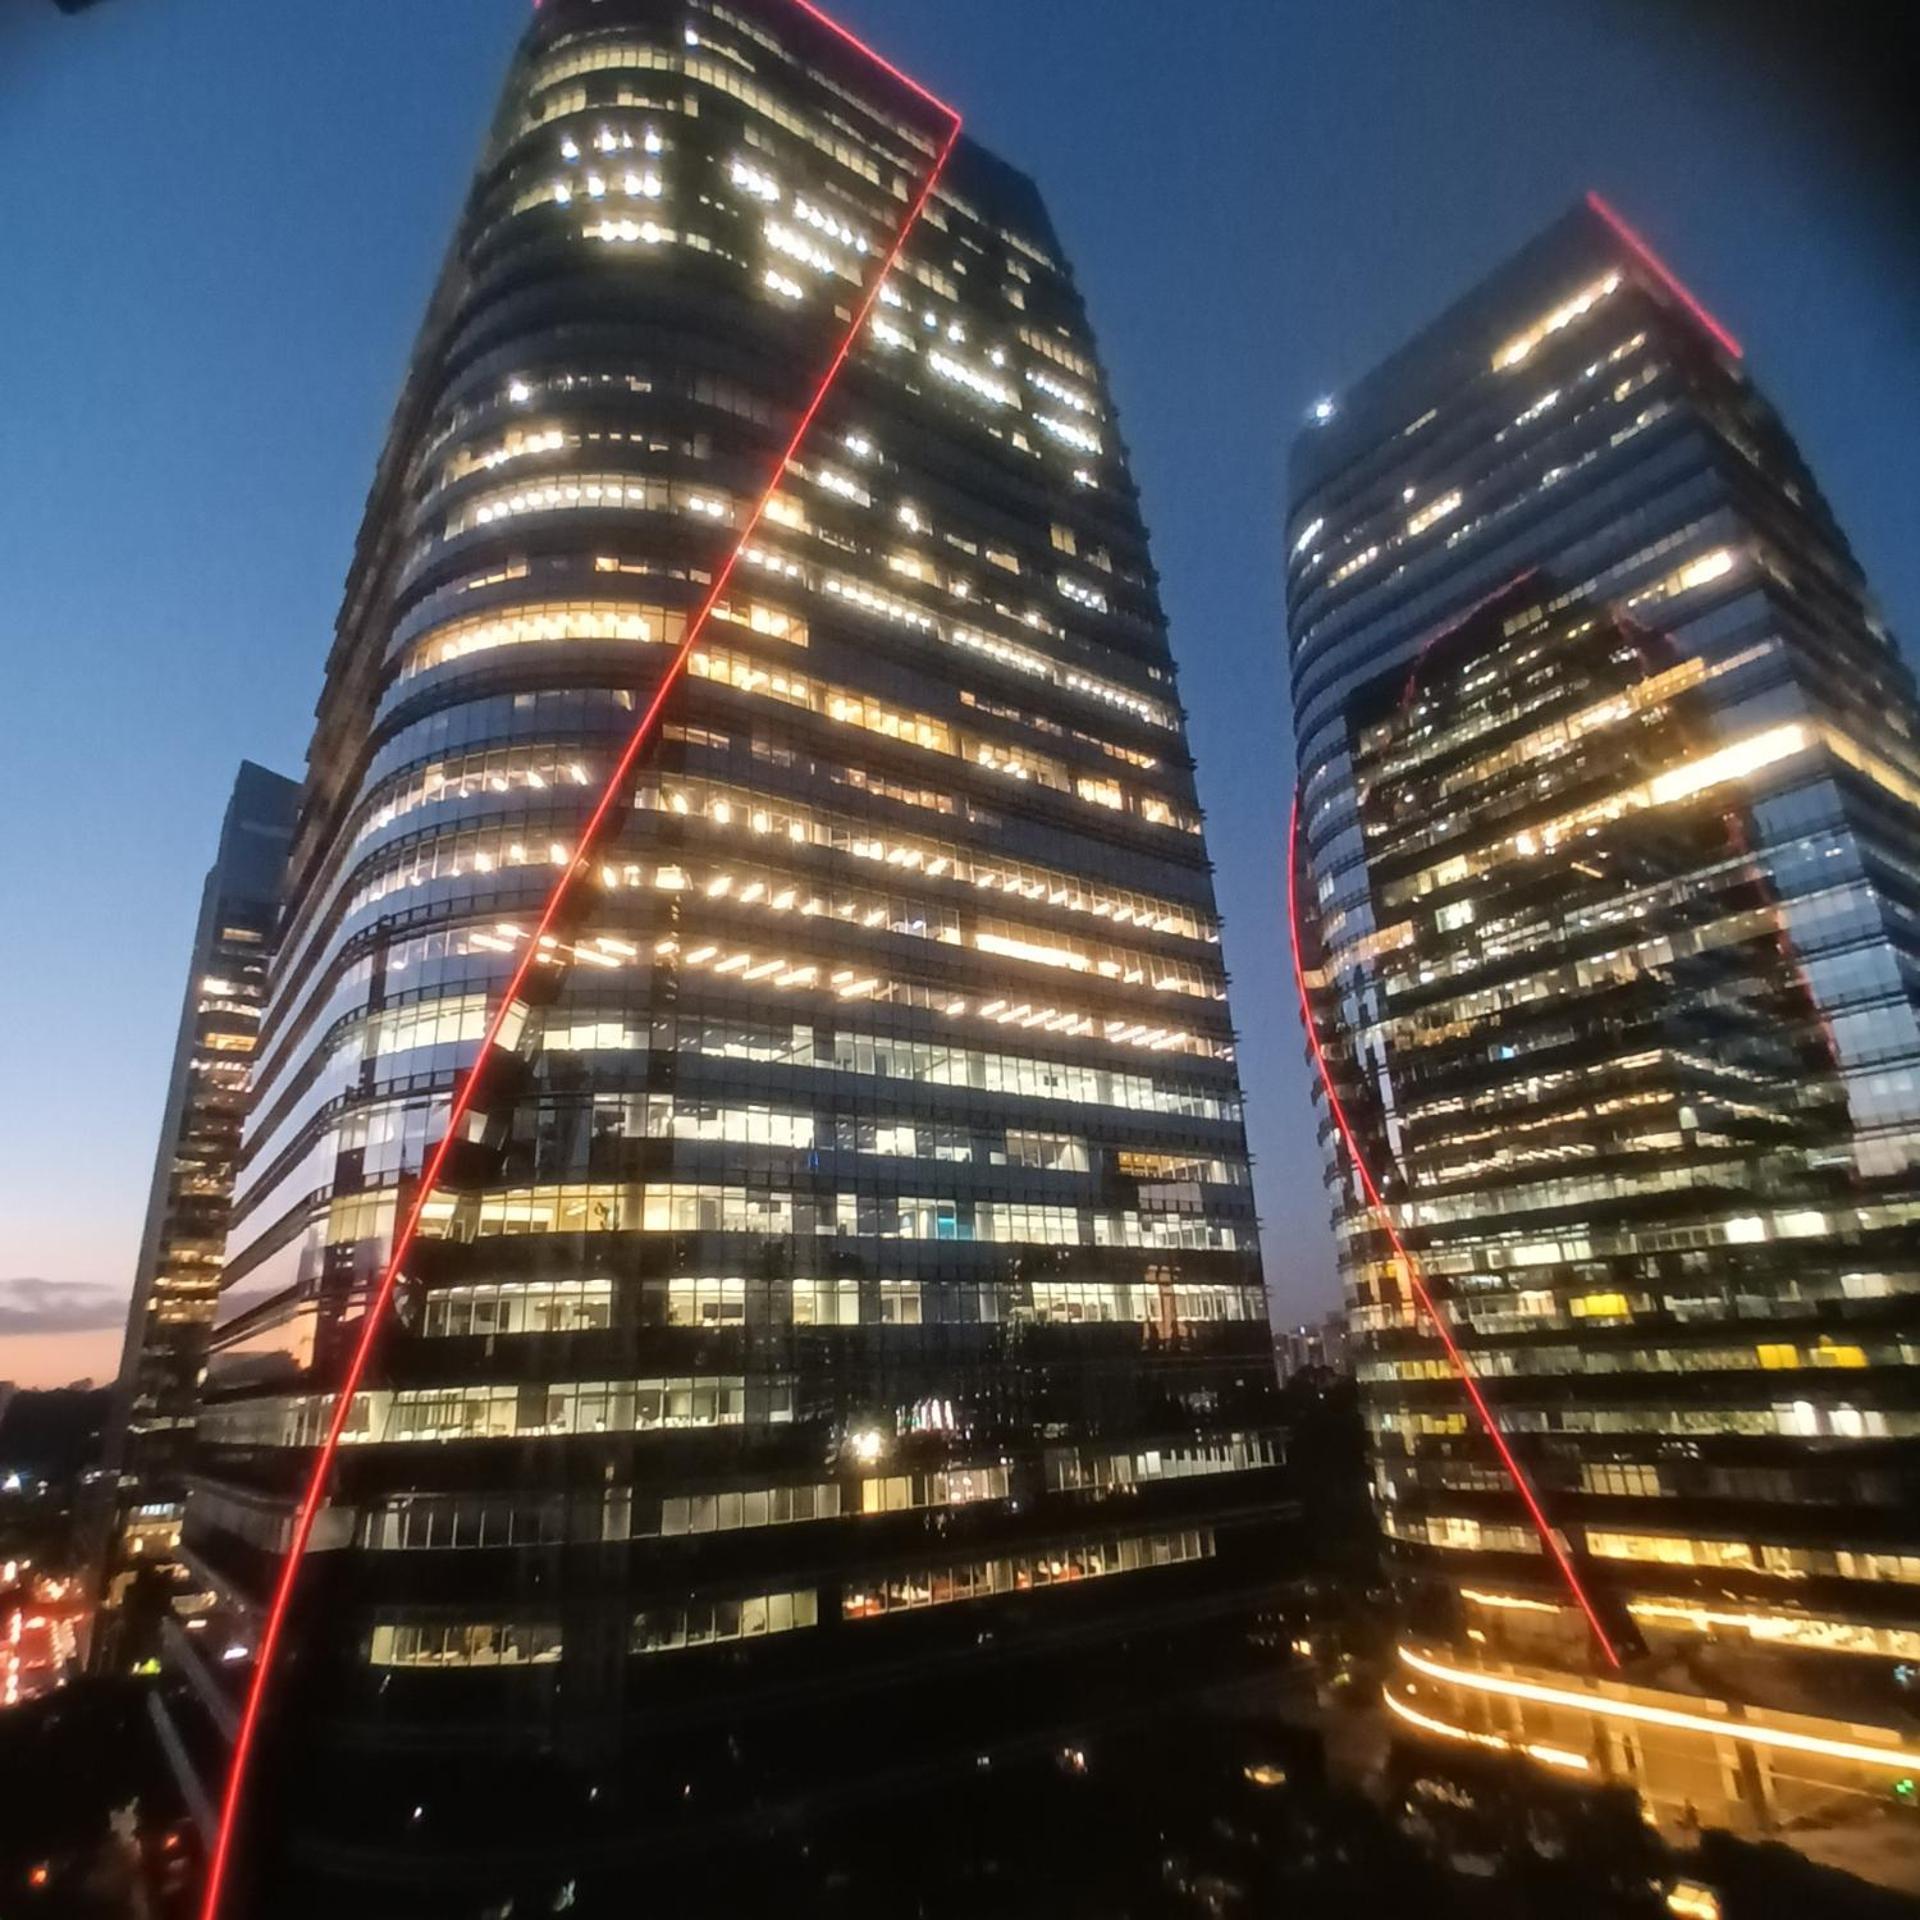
x=859 y=46
x=1515 y=1472
x=1663 y=273
x=610 y=799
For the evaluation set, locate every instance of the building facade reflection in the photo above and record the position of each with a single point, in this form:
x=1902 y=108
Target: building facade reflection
x=1609 y=806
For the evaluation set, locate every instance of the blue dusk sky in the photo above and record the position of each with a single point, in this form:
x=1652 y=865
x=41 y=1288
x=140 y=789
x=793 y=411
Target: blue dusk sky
x=223 y=218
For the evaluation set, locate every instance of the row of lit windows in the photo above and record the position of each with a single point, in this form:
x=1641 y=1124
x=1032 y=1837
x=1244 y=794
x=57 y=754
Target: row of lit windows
x=632 y=183
x=1742 y=1556
x=1459 y=1533
x=385 y=1416
x=466 y=1522
x=855 y=158
x=604 y=55
x=940 y=1586
x=504 y=849
x=469 y=1522
x=931 y=734
x=877 y=1055
x=758 y=968
x=532 y=1307
x=1493 y=481
x=573 y=492
x=1023 y=659
x=500 y=1643
x=934 y=1063
x=664 y=1117
x=1695 y=1243
x=1151 y=1303
x=426 y=1023
x=1635 y=1482
x=1502 y=940
x=1071 y=1472
x=471 y=776
x=1785 y=1224
x=617 y=1207
x=668 y=1117
x=944 y=1487
x=1050 y=346
x=516 y=443
x=1775 y=1356
x=1576 y=307
x=873 y=1055
x=537 y=625
x=556 y=621
x=760 y=1507
x=1582 y=1195
x=392 y=1133
x=1770 y=1628
x=701 y=1623
x=845 y=706
x=525 y=390
x=815 y=252
x=536 y=769
x=510 y=1309
x=1797 y=1419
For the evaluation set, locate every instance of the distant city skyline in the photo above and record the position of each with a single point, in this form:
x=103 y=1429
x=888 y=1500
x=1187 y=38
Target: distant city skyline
x=177 y=563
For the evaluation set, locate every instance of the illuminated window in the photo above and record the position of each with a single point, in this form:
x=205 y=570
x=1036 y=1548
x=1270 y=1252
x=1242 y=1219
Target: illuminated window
x=1434 y=511
x=704 y=1623
x=943 y=1585
x=1600 y=1306
x=494 y=1644
x=1564 y=315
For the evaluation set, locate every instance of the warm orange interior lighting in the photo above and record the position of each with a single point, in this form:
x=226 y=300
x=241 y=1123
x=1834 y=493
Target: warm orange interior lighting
x=1754 y=1732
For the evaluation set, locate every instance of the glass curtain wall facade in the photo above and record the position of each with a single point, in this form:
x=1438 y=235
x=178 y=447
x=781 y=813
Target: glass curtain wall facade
x=1609 y=861
x=846 y=1351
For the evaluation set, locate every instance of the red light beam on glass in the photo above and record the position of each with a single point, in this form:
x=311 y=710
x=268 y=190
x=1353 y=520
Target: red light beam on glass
x=234 y=1800
x=887 y=67
x=1516 y=1473
x=1663 y=273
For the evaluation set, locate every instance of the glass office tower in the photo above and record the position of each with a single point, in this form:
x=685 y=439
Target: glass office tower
x=1609 y=855
x=845 y=1353
x=176 y=1287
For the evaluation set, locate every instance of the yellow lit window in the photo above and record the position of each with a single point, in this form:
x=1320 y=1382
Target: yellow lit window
x=1600 y=1306
x=1827 y=1354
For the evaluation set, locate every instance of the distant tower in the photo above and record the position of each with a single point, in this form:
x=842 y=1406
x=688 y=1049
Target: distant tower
x=177 y=1281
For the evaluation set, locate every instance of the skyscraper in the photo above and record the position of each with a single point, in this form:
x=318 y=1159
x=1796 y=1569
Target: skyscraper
x=1606 y=894
x=176 y=1284
x=835 y=1350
